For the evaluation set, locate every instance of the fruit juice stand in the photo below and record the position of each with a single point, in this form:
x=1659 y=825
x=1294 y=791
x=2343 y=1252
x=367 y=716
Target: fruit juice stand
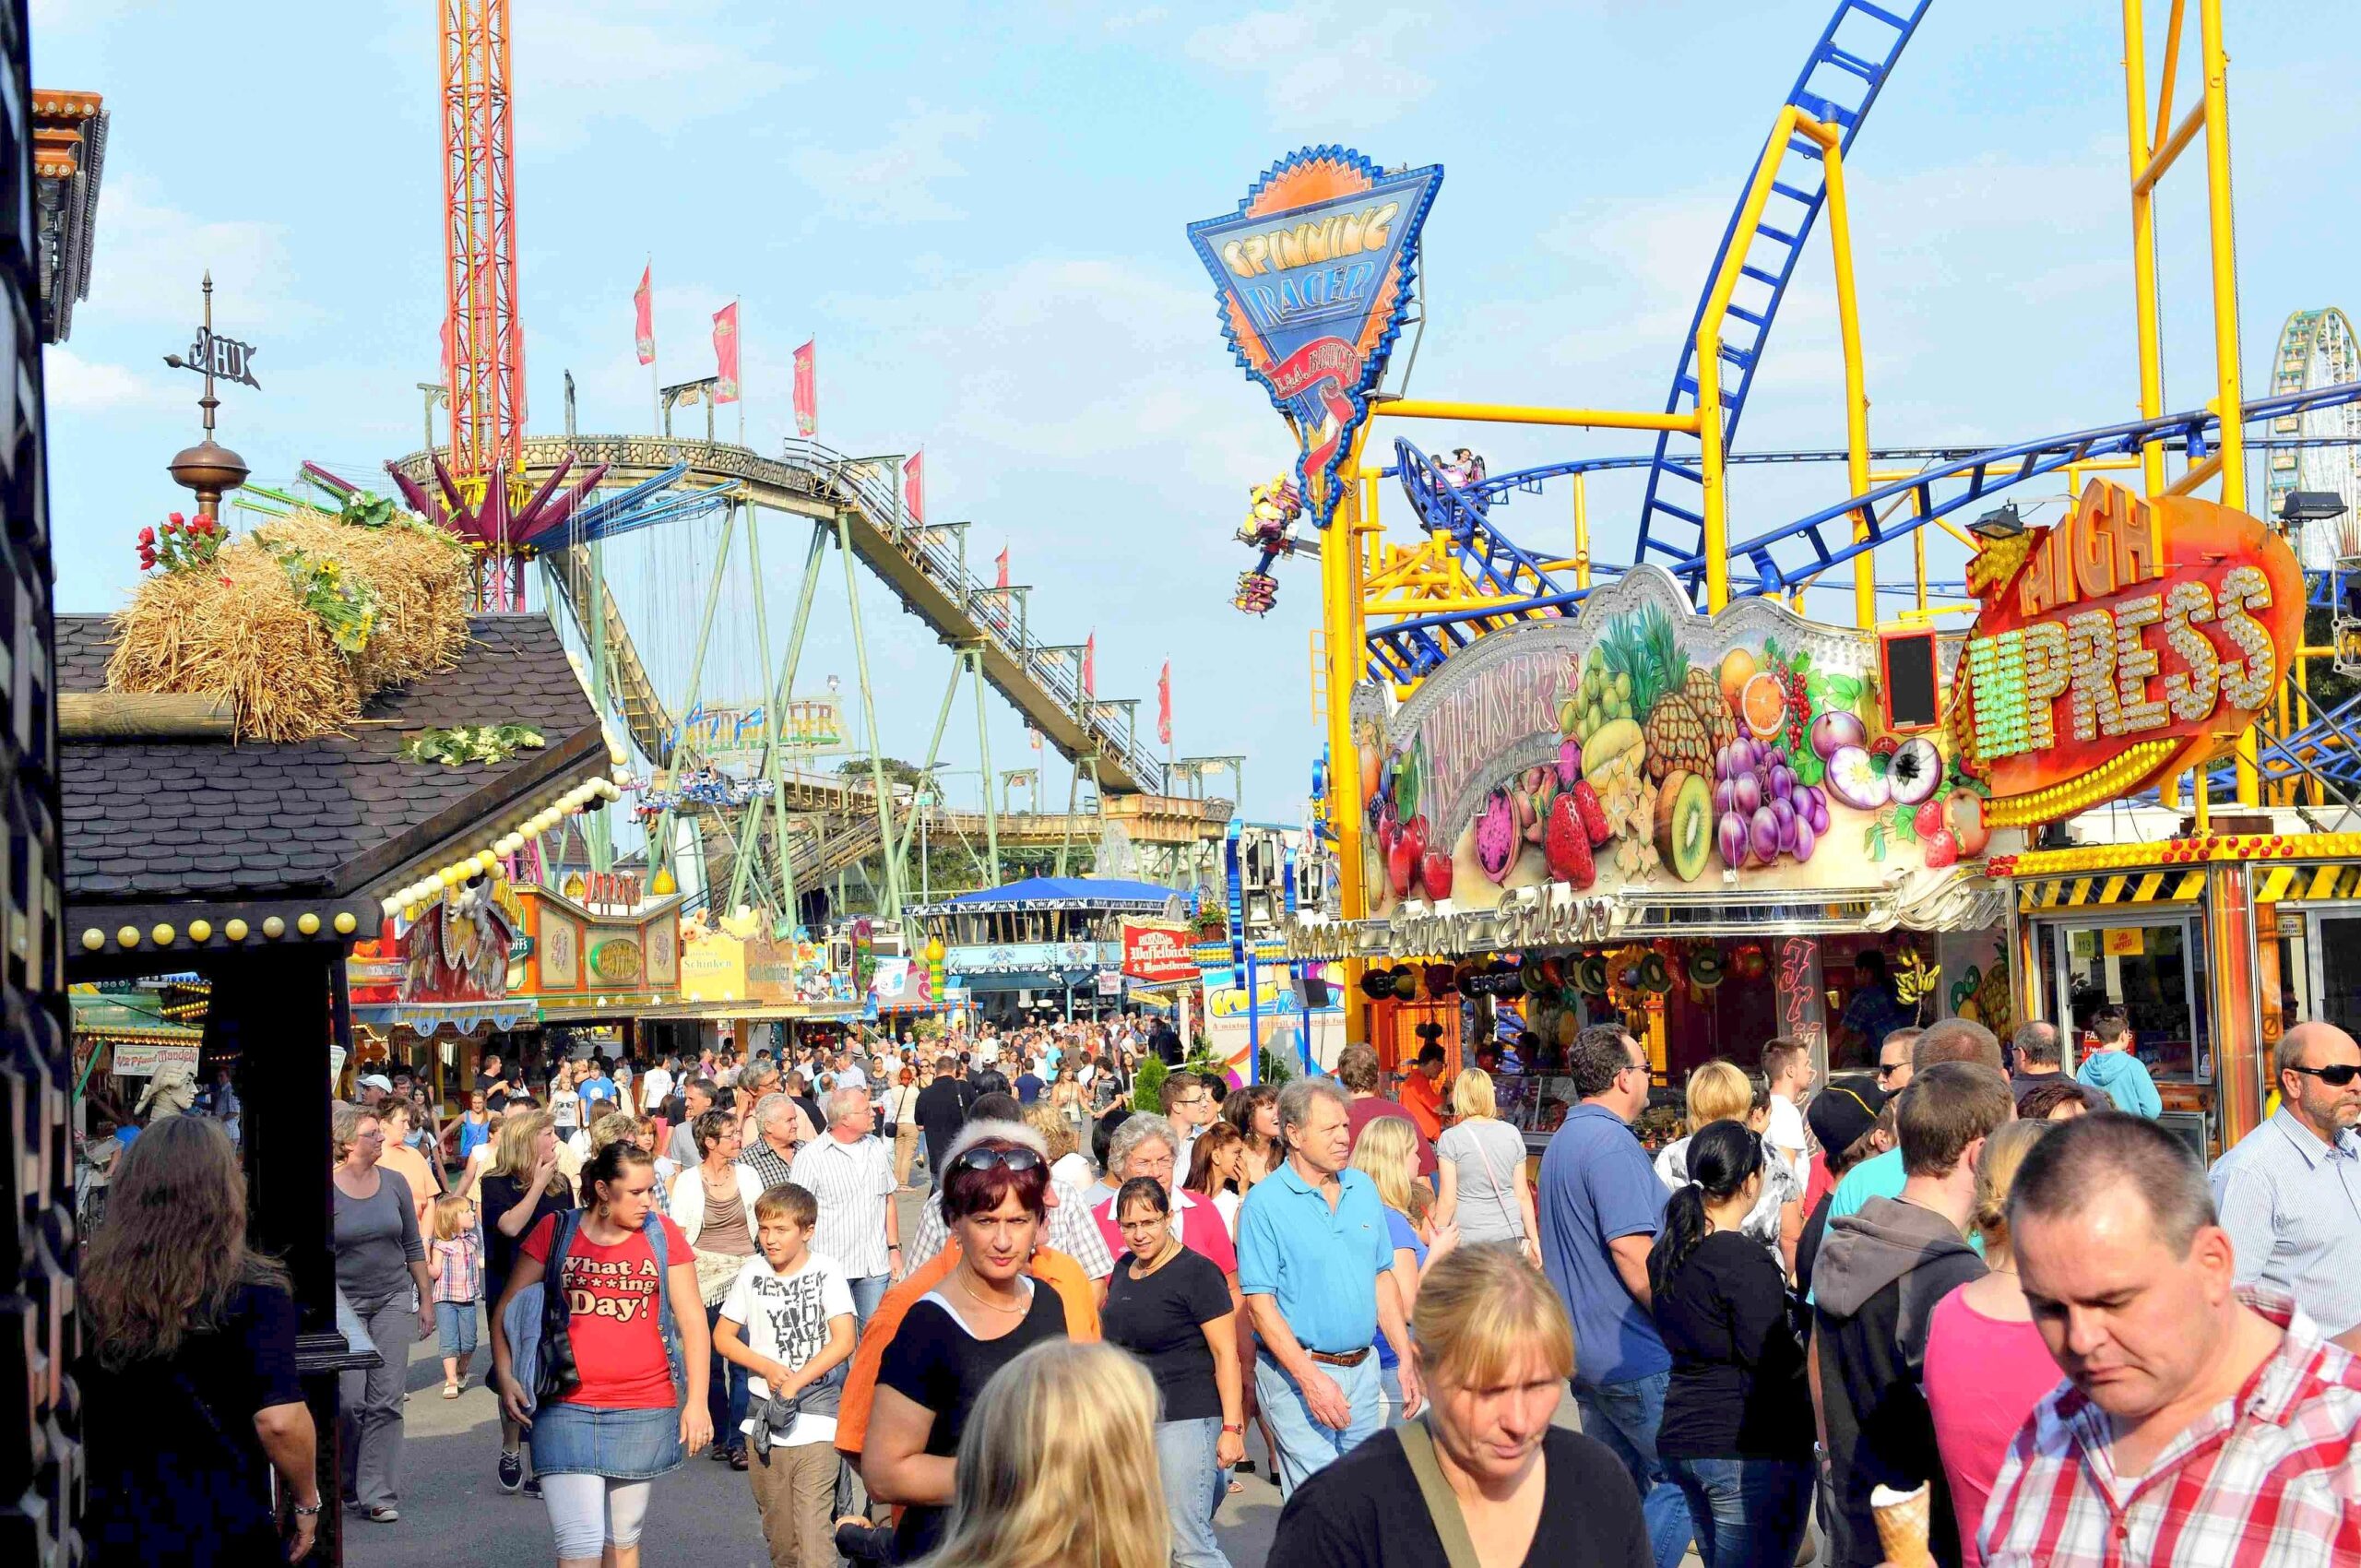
x=1695 y=824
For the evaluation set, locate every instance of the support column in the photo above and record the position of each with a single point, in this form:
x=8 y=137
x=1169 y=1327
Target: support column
x=984 y=744
x=892 y=891
x=696 y=673
x=2230 y=1001
x=900 y=852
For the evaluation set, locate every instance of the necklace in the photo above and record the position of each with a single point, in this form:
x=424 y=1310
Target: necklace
x=968 y=1289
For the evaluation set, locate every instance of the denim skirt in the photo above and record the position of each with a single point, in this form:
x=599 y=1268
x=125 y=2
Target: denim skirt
x=621 y=1445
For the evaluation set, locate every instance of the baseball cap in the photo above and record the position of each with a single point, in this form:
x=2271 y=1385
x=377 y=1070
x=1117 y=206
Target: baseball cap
x=376 y=1081
x=1841 y=1113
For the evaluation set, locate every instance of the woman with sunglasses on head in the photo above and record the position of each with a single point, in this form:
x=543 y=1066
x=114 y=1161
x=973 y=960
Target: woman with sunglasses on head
x=984 y=1314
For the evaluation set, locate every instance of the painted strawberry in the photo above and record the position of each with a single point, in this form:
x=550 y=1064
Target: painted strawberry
x=1436 y=873
x=1594 y=814
x=1928 y=818
x=1567 y=845
x=1939 y=847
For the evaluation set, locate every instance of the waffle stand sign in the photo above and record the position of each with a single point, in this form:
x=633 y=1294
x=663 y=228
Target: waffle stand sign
x=1313 y=273
x=2134 y=640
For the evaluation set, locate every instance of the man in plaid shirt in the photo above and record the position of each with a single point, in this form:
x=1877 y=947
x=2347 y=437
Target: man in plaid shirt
x=2201 y=1424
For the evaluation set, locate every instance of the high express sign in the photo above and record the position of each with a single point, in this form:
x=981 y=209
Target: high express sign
x=1158 y=952
x=2135 y=639
x=1313 y=271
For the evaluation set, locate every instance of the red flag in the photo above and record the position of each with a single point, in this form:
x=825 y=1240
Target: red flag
x=643 y=305
x=1090 y=665
x=807 y=393
x=725 y=352
x=1164 y=704
x=1002 y=564
x=1033 y=735
x=914 y=486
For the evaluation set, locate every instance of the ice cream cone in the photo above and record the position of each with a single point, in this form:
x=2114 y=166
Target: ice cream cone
x=1905 y=1521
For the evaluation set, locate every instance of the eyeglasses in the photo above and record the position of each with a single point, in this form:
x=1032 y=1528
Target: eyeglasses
x=1014 y=1160
x=2335 y=1077
x=1888 y=1069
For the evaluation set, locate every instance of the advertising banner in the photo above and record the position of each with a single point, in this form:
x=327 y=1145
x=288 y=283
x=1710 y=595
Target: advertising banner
x=1644 y=749
x=1157 y=952
x=2134 y=640
x=1281 y=1015
x=1313 y=274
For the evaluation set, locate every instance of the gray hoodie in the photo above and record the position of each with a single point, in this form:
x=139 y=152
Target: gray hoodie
x=1875 y=1286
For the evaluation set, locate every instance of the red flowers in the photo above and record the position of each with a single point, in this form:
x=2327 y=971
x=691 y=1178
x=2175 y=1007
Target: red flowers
x=184 y=542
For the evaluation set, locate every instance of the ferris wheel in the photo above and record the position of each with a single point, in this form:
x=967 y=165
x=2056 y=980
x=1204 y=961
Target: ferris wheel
x=2318 y=347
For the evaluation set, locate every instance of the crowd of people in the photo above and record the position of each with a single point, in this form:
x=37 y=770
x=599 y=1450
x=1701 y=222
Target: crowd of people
x=1973 y=1296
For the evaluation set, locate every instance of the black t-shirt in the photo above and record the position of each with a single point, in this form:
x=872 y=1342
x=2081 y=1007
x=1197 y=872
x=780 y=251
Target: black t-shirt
x=495 y=1197
x=1737 y=1388
x=492 y=1101
x=1365 y=1511
x=942 y=1109
x=177 y=1473
x=812 y=1108
x=933 y=1361
x=1161 y=1320
x=1807 y=1244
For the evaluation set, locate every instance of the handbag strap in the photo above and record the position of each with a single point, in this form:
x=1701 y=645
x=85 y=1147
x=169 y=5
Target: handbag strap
x=1508 y=1210
x=1443 y=1506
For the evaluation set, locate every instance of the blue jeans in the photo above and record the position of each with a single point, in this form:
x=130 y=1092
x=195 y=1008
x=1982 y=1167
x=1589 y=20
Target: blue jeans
x=867 y=1291
x=1389 y=1395
x=725 y=1395
x=455 y=1322
x=1625 y=1416
x=1746 y=1513
x=1193 y=1488
x=1305 y=1445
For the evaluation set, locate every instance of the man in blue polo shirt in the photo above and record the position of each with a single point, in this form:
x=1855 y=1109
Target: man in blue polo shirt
x=1315 y=1263
x=1600 y=1206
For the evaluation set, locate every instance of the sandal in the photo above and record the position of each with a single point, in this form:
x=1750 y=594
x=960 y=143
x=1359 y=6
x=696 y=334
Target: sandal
x=450 y=1391
x=1236 y=1487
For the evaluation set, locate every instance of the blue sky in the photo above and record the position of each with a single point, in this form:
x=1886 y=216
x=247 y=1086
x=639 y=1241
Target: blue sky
x=979 y=213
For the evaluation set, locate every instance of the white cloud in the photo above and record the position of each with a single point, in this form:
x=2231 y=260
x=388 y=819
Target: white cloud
x=151 y=256
x=83 y=387
x=1322 y=66
x=893 y=181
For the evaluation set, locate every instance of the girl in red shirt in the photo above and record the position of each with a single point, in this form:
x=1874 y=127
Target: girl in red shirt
x=635 y=1318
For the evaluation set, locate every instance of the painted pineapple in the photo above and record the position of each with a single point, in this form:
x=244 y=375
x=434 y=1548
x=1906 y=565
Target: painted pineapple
x=1687 y=721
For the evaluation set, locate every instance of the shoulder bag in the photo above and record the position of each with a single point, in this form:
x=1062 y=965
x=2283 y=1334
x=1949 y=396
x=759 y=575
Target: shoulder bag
x=1528 y=1245
x=1443 y=1506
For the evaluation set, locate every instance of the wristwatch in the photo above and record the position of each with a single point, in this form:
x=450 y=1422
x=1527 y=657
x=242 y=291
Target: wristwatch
x=306 y=1513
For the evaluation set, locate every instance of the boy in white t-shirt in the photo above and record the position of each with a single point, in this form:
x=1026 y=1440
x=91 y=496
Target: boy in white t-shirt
x=1786 y=1062
x=788 y=1320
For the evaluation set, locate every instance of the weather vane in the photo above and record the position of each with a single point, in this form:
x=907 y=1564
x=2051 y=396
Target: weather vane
x=208 y=468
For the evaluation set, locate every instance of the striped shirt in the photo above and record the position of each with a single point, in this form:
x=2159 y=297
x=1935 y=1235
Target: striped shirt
x=2268 y=1480
x=2291 y=1205
x=852 y=1182
x=1071 y=1229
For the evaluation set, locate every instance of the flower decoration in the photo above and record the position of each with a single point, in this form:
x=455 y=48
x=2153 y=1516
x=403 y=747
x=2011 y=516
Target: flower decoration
x=183 y=545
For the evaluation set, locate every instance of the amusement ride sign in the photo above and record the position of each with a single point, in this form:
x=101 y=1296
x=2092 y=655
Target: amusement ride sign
x=1313 y=271
x=2136 y=639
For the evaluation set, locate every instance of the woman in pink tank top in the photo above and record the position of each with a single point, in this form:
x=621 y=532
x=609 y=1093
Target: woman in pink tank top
x=1987 y=1364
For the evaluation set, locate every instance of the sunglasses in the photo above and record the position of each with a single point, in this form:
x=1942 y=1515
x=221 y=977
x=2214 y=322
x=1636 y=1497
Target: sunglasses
x=1888 y=1069
x=2335 y=1077
x=1012 y=1160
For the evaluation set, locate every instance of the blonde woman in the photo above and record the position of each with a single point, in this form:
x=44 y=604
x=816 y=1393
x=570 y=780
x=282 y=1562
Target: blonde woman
x=1388 y=1154
x=1987 y=1365
x=1056 y=1467
x=1722 y=1091
x=523 y=1188
x=1484 y=1191
x=1067 y=1162
x=1494 y=1349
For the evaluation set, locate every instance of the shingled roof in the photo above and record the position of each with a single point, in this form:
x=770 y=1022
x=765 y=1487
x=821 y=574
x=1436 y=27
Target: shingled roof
x=149 y=821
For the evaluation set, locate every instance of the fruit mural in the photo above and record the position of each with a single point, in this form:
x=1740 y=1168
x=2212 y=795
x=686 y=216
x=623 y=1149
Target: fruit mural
x=1642 y=747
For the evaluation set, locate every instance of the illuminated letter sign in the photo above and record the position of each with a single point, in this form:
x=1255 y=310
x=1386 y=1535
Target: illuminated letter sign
x=1313 y=273
x=2136 y=640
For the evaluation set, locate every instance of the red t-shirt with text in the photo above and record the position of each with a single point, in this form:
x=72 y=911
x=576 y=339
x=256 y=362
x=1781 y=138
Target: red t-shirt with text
x=612 y=1294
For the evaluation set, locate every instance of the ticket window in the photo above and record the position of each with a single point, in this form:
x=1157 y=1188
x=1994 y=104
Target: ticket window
x=2153 y=969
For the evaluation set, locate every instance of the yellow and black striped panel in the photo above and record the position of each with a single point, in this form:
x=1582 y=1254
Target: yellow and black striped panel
x=2313 y=882
x=2177 y=886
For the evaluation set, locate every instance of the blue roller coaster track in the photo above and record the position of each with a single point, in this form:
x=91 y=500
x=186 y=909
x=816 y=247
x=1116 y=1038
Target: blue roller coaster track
x=1840 y=82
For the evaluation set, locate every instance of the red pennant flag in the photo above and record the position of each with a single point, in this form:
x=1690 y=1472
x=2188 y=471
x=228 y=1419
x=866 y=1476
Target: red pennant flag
x=1033 y=735
x=914 y=486
x=1003 y=565
x=1090 y=665
x=643 y=305
x=807 y=393
x=1164 y=704
x=725 y=352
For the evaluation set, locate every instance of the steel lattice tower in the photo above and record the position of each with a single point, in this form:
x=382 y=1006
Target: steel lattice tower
x=483 y=340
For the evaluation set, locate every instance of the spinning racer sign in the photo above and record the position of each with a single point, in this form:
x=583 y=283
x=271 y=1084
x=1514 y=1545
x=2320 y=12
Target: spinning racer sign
x=1314 y=273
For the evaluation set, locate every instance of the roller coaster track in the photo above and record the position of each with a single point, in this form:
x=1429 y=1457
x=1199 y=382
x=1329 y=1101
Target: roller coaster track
x=1838 y=84
x=665 y=479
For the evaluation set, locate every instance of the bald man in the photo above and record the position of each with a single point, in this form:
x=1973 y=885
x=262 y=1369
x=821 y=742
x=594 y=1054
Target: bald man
x=2290 y=1192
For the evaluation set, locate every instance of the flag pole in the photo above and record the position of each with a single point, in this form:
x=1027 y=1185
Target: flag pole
x=740 y=318
x=655 y=382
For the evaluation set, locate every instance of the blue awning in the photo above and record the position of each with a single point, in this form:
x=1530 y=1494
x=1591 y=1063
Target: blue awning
x=1062 y=893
